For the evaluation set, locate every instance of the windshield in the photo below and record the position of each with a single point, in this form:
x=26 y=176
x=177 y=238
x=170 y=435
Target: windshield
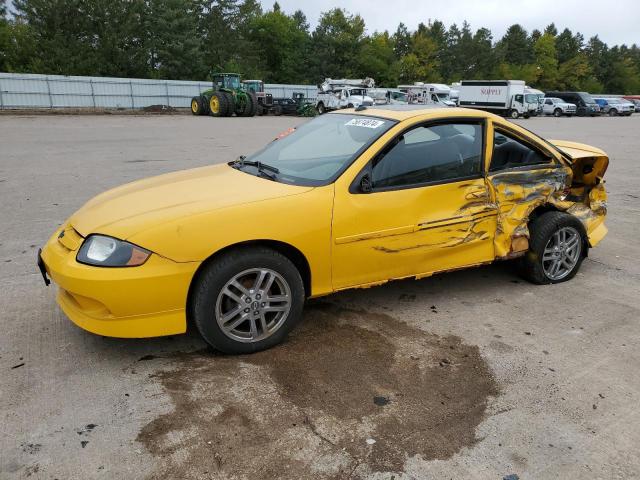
x=254 y=86
x=399 y=96
x=232 y=82
x=443 y=96
x=534 y=97
x=586 y=98
x=357 y=91
x=317 y=152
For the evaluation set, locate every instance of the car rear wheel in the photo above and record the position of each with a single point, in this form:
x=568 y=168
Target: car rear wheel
x=557 y=247
x=247 y=300
x=613 y=112
x=321 y=108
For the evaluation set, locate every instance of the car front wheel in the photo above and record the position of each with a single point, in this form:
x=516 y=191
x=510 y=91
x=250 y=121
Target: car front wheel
x=557 y=247
x=247 y=300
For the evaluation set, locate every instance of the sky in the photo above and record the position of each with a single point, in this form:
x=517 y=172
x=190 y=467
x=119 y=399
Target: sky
x=615 y=22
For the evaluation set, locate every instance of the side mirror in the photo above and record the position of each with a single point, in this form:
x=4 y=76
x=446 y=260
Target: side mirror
x=366 y=185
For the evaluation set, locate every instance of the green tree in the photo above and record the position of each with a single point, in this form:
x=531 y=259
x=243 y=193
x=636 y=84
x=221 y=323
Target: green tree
x=224 y=29
x=422 y=64
x=281 y=41
x=378 y=60
x=546 y=62
x=173 y=40
x=568 y=45
x=336 y=43
x=482 y=53
x=401 y=41
x=515 y=47
x=84 y=37
x=4 y=37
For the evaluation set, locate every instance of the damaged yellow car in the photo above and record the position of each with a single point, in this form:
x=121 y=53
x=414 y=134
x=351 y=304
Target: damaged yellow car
x=349 y=199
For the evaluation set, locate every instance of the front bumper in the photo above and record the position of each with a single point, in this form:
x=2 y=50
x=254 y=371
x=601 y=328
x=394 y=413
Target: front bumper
x=133 y=302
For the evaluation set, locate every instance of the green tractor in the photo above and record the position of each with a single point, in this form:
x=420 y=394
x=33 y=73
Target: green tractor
x=228 y=96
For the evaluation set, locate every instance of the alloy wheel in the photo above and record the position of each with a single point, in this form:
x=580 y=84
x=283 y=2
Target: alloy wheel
x=562 y=253
x=253 y=305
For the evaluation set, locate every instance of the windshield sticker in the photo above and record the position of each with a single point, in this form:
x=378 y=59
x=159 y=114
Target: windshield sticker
x=365 y=122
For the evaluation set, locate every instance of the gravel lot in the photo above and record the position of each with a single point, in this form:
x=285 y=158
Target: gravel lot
x=473 y=374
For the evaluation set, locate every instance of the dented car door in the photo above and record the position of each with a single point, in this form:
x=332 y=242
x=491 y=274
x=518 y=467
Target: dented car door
x=522 y=176
x=420 y=206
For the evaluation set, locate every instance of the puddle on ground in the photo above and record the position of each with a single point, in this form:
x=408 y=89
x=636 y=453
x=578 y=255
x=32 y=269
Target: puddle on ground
x=349 y=393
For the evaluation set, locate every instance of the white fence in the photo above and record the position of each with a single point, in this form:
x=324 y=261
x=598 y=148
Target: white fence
x=58 y=91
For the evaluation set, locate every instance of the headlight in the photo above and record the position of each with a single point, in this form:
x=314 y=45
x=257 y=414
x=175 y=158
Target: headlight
x=103 y=251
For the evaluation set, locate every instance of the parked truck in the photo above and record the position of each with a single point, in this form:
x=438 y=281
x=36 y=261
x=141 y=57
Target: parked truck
x=503 y=97
x=343 y=93
x=532 y=95
x=387 y=96
x=428 y=94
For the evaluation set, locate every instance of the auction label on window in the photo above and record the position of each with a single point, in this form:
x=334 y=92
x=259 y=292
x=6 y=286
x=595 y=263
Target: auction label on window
x=365 y=122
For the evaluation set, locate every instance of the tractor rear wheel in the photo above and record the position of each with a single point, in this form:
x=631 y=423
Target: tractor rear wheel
x=231 y=104
x=254 y=104
x=248 y=107
x=205 y=105
x=218 y=104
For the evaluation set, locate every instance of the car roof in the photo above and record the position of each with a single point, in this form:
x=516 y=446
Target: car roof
x=404 y=112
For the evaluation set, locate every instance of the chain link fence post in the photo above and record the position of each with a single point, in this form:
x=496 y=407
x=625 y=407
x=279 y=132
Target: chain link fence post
x=49 y=92
x=93 y=96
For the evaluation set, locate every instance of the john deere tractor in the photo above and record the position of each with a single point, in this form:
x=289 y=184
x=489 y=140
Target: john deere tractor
x=226 y=97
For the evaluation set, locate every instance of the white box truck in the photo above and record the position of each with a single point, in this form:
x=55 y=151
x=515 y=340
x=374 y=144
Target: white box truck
x=503 y=97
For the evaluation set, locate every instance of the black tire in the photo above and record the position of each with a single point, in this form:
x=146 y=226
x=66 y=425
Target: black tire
x=254 y=104
x=222 y=106
x=249 y=109
x=231 y=104
x=541 y=229
x=613 y=112
x=514 y=114
x=321 y=108
x=526 y=116
x=557 y=113
x=196 y=106
x=205 y=105
x=215 y=276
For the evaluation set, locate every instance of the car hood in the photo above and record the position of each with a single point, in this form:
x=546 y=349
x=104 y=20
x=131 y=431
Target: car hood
x=134 y=207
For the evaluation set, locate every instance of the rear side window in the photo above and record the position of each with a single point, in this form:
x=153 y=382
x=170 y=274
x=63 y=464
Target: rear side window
x=509 y=152
x=425 y=154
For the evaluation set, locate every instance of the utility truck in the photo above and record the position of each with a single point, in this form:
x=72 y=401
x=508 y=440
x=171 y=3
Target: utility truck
x=503 y=97
x=428 y=94
x=387 y=96
x=343 y=93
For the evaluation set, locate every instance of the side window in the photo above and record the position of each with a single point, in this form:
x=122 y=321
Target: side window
x=548 y=102
x=508 y=152
x=430 y=154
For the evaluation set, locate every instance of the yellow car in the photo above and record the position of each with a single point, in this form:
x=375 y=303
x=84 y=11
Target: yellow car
x=349 y=199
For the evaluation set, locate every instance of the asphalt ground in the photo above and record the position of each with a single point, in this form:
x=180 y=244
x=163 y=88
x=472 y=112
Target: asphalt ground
x=474 y=374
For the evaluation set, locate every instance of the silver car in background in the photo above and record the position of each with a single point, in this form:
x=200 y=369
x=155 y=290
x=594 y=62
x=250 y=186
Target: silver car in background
x=615 y=106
